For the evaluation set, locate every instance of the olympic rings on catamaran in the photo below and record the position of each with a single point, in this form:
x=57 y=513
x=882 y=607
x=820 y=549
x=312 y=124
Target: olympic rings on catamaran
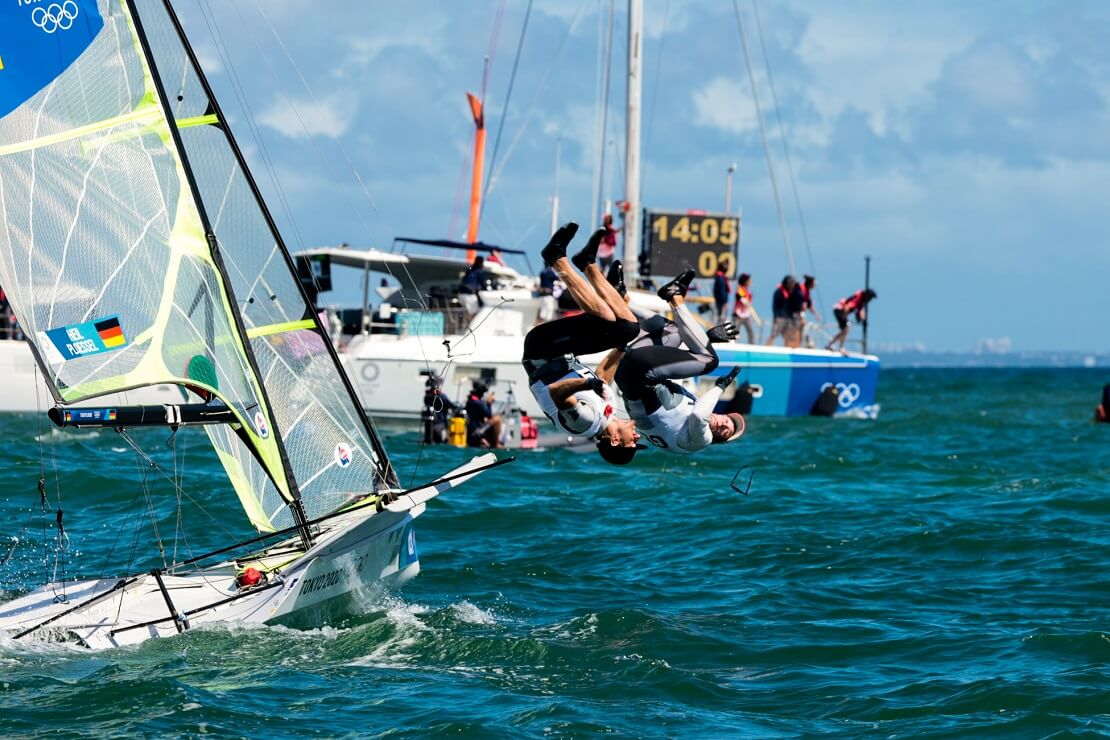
x=55 y=16
x=847 y=393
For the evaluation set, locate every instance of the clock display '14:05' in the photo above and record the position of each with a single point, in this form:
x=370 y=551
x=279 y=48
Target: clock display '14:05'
x=703 y=241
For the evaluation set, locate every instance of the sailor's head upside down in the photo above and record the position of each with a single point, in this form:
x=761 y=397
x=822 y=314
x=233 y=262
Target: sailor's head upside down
x=647 y=355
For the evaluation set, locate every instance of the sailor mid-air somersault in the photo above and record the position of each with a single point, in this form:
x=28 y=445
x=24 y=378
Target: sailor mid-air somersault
x=647 y=355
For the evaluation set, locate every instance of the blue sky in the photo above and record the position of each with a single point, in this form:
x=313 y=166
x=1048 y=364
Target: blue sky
x=965 y=146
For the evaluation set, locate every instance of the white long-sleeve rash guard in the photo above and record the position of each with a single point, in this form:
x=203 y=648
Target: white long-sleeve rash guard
x=680 y=425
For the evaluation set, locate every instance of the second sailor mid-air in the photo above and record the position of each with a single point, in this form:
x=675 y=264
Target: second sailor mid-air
x=648 y=353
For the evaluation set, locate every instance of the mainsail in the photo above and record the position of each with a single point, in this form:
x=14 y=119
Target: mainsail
x=136 y=250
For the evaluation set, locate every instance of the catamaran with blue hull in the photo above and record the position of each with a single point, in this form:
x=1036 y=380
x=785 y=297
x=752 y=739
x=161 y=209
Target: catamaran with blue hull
x=136 y=250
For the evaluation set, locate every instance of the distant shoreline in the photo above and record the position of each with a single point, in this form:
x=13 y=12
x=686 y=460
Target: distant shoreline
x=1023 y=360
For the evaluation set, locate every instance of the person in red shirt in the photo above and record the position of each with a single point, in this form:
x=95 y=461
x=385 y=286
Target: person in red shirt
x=744 y=313
x=608 y=248
x=845 y=307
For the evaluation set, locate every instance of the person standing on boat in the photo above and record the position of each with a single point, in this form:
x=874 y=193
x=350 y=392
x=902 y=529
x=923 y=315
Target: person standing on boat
x=795 y=315
x=844 y=308
x=575 y=398
x=495 y=257
x=806 y=289
x=721 y=289
x=483 y=427
x=744 y=313
x=781 y=324
x=671 y=417
x=473 y=280
x=548 y=303
x=608 y=248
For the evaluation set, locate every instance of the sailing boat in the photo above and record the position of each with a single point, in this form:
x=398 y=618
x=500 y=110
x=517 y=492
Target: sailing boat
x=136 y=250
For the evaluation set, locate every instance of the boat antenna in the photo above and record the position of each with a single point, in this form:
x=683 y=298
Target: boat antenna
x=763 y=137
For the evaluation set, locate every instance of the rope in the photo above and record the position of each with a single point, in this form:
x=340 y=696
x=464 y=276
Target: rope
x=763 y=137
x=530 y=111
x=785 y=147
x=505 y=106
x=655 y=83
x=603 y=122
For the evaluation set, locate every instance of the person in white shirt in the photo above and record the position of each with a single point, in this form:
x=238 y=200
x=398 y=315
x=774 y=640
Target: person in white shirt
x=669 y=416
x=575 y=398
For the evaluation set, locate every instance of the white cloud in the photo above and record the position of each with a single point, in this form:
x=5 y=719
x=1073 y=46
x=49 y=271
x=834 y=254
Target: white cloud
x=880 y=64
x=305 y=119
x=994 y=78
x=724 y=104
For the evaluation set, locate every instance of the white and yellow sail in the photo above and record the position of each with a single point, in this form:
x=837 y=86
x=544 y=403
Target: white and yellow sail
x=135 y=251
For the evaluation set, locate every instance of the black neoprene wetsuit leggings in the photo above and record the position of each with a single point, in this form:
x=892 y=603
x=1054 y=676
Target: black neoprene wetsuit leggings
x=654 y=359
x=583 y=334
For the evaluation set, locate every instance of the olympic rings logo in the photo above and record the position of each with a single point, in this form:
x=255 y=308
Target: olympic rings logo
x=847 y=393
x=55 y=16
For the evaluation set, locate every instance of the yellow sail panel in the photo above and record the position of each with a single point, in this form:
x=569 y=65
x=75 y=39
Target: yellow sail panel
x=103 y=250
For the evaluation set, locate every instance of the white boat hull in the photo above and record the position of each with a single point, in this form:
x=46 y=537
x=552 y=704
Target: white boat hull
x=359 y=556
x=24 y=390
x=786 y=382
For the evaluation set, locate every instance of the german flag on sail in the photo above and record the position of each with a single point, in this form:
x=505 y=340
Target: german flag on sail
x=110 y=332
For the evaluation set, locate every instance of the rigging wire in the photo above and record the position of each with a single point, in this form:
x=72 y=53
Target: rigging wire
x=785 y=144
x=603 y=120
x=271 y=170
x=491 y=50
x=505 y=106
x=763 y=137
x=260 y=142
x=658 y=74
x=534 y=101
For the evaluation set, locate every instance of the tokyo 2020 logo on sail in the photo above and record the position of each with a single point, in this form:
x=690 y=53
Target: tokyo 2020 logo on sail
x=56 y=16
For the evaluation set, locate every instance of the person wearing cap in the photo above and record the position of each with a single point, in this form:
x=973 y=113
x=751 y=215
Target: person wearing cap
x=669 y=416
x=607 y=250
x=575 y=398
x=483 y=427
x=845 y=307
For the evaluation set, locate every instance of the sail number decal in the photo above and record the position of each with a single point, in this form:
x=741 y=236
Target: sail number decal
x=88 y=338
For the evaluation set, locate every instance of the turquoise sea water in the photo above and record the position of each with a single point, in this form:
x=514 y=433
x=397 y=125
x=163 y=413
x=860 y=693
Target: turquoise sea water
x=941 y=571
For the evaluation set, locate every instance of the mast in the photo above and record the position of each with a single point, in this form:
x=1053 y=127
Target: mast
x=476 y=178
x=387 y=472
x=295 y=503
x=632 y=138
x=555 y=193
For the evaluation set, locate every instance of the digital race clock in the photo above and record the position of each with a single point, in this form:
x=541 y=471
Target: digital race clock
x=678 y=240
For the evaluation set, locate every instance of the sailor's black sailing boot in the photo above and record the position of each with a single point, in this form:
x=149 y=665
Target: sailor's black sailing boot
x=676 y=287
x=616 y=277
x=588 y=255
x=557 y=245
